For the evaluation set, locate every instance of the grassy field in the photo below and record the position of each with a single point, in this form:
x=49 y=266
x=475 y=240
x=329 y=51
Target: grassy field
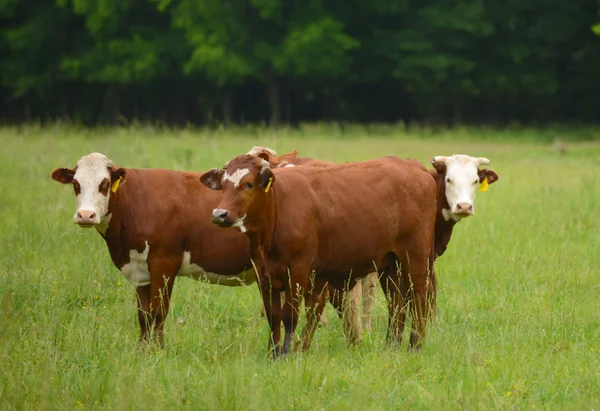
x=518 y=323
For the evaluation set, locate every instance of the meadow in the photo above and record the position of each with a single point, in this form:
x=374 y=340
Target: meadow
x=518 y=324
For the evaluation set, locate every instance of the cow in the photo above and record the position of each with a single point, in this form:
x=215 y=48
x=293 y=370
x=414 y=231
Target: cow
x=364 y=288
x=457 y=178
x=340 y=223
x=156 y=224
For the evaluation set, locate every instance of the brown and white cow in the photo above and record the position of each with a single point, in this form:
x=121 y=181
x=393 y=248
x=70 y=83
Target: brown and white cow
x=338 y=222
x=157 y=225
x=457 y=178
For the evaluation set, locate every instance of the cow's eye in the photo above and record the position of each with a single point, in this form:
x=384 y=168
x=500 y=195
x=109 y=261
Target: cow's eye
x=475 y=182
x=104 y=186
x=448 y=181
x=249 y=186
x=76 y=187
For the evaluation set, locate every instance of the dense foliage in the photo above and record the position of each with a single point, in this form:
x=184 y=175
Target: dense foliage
x=235 y=61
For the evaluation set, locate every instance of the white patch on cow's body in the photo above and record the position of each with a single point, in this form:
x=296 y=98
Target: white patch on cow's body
x=104 y=223
x=189 y=269
x=236 y=177
x=239 y=223
x=136 y=270
x=462 y=180
x=286 y=164
x=90 y=172
x=257 y=150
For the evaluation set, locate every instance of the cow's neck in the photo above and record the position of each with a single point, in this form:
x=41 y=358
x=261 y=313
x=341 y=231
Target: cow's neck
x=443 y=226
x=260 y=225
x=111 y=227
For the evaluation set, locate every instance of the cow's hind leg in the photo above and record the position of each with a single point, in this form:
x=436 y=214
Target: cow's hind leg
x=397 y=304
x=315 y=299
x=369 y=285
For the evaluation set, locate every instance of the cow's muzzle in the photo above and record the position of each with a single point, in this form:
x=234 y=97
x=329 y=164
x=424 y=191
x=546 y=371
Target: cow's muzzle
x=464 y=209
x=85 y=218
x=219 y=217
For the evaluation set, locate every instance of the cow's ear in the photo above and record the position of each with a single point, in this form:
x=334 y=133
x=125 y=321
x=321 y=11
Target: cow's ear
x=117 y=173
x=212 y=179
x=63 y=175
x=492 y=177
x=439 y=166
x=288 y=157
x=265 y=156
x=266 y=179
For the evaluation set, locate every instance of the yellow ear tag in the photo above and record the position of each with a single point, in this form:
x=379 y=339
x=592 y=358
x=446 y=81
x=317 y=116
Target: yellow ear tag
x=269 y=185
x=484 y=185
x=116 y=185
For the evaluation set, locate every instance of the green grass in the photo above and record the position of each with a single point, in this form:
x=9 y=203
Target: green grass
x=518 y=321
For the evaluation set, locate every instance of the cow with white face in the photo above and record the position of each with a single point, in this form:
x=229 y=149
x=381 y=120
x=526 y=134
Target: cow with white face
x=461 y=179
x=156 y=226
x=92 y=179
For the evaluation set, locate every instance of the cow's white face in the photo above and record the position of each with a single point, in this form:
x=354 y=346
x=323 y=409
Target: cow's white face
x=92 y=179
x=462 y=177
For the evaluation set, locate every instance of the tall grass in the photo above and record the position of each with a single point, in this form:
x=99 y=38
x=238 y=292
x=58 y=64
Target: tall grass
x=518 y=321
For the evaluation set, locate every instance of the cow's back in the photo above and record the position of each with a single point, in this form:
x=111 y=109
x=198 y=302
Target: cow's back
x=356 y=212
x=169 y=212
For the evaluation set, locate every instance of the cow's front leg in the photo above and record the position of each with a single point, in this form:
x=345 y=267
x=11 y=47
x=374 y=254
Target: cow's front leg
x=143 y=305
x=162 y=278
x=272 y=304
x=296 y=284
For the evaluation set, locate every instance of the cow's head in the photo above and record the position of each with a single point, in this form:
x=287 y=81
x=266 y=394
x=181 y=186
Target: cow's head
x=245 y=182
x=285 y=160
x=462 y=176
x=92 y=179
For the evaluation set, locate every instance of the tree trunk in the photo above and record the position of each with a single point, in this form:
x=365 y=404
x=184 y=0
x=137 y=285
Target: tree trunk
x=136 y=108
x=27 y=109
x=227 y=107
x=273 y=97
x=332 y=103
x=457 y=111
x=116 y=109
x=64 y=105
x=287 y=107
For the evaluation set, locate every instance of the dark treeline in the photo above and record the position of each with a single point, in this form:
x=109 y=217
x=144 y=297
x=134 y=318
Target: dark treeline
x=239 y=61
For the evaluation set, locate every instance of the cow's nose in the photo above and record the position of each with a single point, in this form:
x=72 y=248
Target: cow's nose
x=85 y=217
x=464 y=208
x=219 y=214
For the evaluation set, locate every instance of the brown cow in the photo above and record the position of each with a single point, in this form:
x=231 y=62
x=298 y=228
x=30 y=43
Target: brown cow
x=364 y=289
x=340 y=222
x=156 y=224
